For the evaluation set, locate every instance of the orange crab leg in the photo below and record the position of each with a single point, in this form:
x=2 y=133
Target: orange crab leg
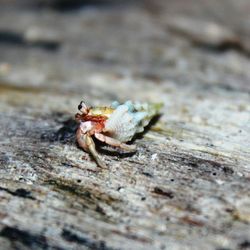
x=113 y=142
x=86 y=142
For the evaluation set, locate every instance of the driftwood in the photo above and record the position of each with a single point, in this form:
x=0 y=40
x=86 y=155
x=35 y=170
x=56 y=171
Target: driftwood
x=187 y=186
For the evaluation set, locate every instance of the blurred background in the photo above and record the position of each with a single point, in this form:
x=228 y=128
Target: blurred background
x=64 y=43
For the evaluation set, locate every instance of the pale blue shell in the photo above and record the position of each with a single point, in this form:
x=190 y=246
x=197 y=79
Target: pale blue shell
x=130 y=118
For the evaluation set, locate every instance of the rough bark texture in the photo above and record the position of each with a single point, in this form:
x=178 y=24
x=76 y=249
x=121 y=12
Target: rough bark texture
x=187 y=186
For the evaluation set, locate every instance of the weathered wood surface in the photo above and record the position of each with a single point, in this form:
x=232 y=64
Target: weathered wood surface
x=187 y=186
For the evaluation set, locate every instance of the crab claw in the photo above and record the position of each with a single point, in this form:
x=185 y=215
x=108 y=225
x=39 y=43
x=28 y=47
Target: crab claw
x=87 y=144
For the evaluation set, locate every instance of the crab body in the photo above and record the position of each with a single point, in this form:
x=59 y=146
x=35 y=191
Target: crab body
x=113 y=125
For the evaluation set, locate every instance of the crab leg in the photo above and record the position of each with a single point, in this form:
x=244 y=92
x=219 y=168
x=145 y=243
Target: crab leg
x=114 y=142
x=86 y=142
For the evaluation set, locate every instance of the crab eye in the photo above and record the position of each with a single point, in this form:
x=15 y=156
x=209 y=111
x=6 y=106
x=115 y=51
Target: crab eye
x=83 y=107
x=80 y=106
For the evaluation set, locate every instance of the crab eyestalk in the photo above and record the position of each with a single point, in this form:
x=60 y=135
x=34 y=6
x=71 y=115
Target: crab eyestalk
x=83 y=108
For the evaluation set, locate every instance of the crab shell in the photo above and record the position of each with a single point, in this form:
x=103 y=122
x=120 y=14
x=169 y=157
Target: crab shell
x=120 y=121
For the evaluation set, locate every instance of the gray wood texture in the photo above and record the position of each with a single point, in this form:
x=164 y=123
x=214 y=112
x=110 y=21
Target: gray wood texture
x=187 y=186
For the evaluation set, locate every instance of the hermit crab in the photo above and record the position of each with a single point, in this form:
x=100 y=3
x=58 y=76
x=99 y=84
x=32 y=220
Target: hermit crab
x=112 y=125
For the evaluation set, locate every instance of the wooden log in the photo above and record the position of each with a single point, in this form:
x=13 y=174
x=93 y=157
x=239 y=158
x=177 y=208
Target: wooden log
x=187 y=186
